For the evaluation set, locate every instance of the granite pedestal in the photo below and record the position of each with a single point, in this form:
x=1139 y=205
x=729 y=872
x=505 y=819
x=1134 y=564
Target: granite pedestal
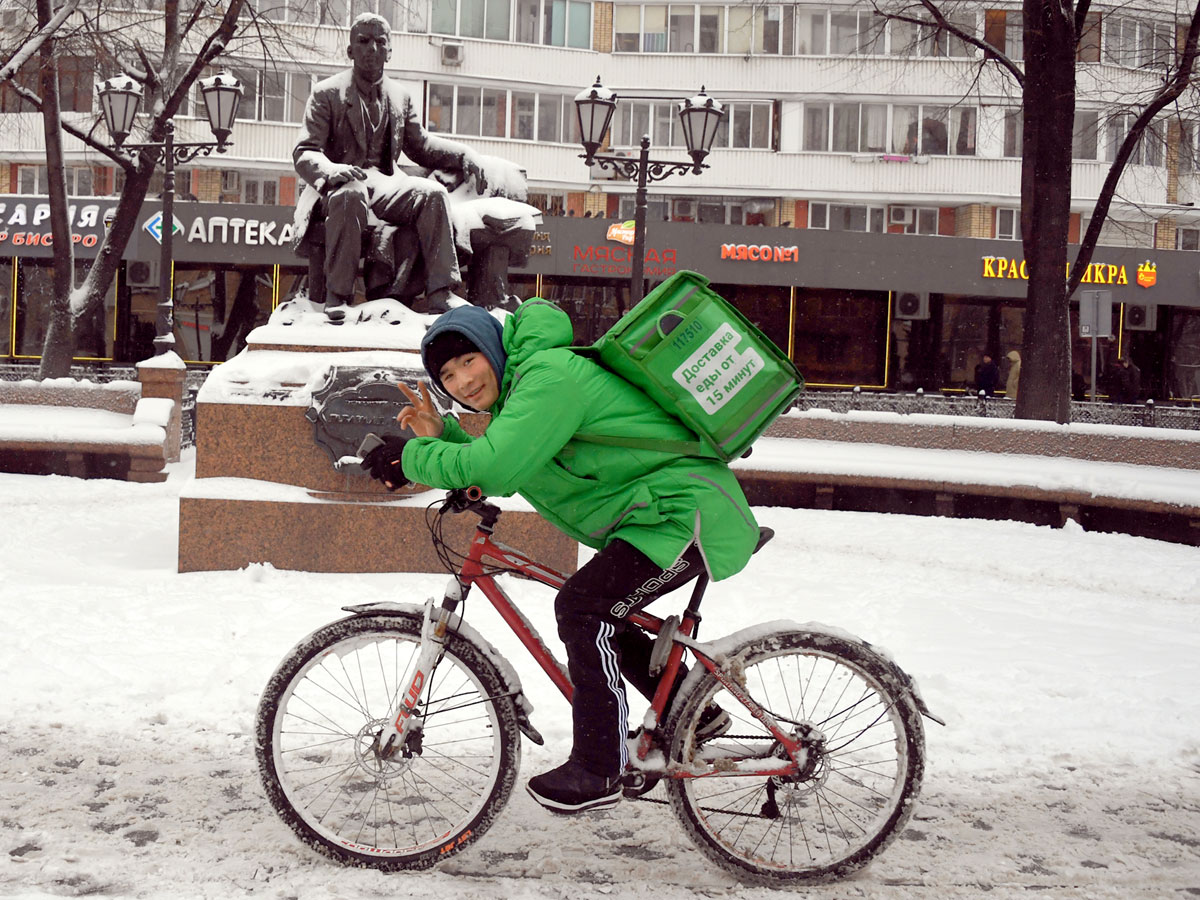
x=266 y=492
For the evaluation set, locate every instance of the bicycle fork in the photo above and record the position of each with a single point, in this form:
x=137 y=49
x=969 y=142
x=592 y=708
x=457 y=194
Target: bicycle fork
x=402 y=730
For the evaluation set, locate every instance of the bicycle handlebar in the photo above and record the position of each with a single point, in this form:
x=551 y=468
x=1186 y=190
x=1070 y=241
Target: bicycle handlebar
x=471 y=499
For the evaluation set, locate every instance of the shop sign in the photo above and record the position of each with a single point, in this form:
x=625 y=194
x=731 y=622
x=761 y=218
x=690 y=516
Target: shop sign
x=1097 y=273
x=153 y=226
x=622 y=232
x=241 y=230
x=541 y=244
x=1147 y=274
x=18 y=218
x=600 y=259
x=760 y=253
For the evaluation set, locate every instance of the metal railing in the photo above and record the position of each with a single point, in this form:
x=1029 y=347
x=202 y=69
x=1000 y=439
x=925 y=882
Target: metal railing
x=1148 y=414
x=104 y=374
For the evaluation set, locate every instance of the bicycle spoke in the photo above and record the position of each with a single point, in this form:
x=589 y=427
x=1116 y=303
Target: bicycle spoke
x=433 y=789
x=831 y=807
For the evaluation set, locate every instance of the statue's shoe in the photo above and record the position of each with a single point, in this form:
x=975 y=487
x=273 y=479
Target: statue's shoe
x=438 y=305
x=336 y=314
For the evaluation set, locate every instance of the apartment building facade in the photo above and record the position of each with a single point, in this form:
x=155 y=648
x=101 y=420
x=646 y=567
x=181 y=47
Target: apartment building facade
x=862 y=202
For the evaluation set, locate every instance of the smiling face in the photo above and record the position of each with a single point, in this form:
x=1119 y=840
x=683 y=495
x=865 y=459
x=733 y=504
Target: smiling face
x=370 y=48
x=471 y=380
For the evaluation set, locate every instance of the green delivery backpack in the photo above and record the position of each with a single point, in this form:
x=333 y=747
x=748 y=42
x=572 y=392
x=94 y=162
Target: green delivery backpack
x=704 y=362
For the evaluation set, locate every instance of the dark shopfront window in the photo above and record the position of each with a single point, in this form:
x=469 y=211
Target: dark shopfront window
x=6 y=307
x=35 y=290
x=769 y=308
x=591 y=303
x=839 y=337
x=215 y=308
x=942 y=351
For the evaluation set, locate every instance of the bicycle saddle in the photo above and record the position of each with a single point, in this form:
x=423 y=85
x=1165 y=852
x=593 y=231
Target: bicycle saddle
x=764 y=534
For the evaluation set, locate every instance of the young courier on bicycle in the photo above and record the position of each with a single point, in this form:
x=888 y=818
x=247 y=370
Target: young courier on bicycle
x=657 y=518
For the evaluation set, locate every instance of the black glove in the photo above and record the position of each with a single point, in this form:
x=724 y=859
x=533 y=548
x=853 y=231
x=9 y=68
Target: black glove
x=383 y=463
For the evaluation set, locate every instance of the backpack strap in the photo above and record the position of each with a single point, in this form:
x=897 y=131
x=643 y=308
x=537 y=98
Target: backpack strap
x=683 y=448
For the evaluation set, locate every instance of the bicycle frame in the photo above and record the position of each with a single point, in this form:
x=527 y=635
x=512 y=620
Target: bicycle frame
x=473 y=573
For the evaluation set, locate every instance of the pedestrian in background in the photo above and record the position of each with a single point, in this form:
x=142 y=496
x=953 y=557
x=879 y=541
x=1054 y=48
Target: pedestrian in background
x=1014 y=374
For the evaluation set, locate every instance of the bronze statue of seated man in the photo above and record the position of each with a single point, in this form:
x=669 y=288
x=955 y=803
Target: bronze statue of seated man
x=357 y=126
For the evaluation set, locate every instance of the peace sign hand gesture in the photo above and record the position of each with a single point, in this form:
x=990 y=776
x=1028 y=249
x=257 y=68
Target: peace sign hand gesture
x=422 y=416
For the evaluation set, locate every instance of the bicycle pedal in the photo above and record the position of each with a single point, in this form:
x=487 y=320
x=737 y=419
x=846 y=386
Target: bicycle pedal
x=638 y=784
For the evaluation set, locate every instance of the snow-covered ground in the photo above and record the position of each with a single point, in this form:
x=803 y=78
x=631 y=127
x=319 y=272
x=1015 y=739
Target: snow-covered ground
x=1066 y=664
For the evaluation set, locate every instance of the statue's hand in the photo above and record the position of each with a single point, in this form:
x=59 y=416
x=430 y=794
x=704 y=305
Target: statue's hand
x=422 y=417
x=341 y=174
x=472 y=169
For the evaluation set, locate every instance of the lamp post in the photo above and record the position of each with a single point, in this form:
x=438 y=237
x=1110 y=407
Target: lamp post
x=699 y=118
x=119 y=100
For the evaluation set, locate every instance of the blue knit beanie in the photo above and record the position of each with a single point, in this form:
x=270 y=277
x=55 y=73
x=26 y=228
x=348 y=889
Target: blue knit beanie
x=445 y=340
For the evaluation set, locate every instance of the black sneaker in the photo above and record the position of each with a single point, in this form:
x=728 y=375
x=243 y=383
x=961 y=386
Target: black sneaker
x=571 y=789
x=714 y=722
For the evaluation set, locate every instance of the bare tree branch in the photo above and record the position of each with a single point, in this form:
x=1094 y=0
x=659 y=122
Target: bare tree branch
x=1171 y=90
x=31 y=46
x=937 y=21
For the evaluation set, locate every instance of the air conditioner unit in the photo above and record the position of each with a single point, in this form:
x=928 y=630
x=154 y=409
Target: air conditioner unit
x=452 y=53
x=1141 y=316
x=911 y=305
x=901 y=215
x=685 y=209
x=141 y=274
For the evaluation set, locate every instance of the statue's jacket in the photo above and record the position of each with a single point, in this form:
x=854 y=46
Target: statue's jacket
x=658 y=501
x=335 y=133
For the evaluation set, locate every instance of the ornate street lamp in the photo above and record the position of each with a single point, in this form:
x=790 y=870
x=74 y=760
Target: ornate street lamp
x=119 y=100
x=699 y=119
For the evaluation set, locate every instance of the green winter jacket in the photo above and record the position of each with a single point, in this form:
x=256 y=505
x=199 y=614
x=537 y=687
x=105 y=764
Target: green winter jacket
x=657 y=501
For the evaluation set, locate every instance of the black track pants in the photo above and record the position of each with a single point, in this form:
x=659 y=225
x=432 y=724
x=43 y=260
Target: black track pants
x=590 y=610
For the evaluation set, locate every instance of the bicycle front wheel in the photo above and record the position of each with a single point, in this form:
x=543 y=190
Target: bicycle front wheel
x=857 y=781
x=317 y=755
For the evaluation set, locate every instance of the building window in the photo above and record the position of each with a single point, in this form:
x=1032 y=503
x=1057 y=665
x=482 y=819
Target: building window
x=1004 y=29
x=1014 y=131
x=76 y=84
x=550 y=203
x=1187 y=145
x=914 y=220
x=1135 y=43
x=32 y=180
x=1150 y=149
x=1187 y=238
x=766 y=29
x=843 y=217
x=486 y=112
x=401 y=16
x=1008 y=224
x=267 y=95
x=658 y=209
x=471 y=18
x=557 y=23
x=745 y=125
x=80 y=180
x=260 y=190
x=910 y=39
x=1085 y=138
x=878 y=128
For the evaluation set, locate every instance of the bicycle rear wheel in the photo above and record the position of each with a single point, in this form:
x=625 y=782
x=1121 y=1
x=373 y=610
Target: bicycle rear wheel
x=856 y=787
x=315 y=730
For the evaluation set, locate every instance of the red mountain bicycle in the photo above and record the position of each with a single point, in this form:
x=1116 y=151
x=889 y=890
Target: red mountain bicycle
x=392 y=738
